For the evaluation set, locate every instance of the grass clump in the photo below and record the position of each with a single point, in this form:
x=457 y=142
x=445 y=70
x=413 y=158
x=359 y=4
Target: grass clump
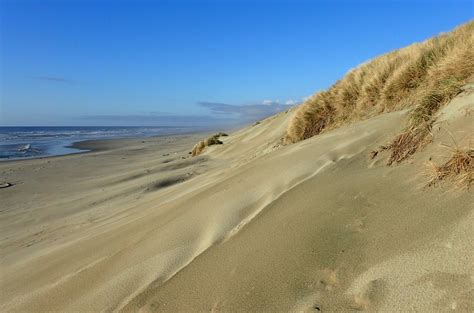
x=408 y=142
x=201 y=145
x=459 y=168
x=422 y=77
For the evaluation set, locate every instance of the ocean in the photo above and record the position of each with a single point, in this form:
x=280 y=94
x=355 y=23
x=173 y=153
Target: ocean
x=34 y=142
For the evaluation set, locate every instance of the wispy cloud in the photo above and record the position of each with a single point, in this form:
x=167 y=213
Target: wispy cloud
x=155 y=119
x=246 y=112
x=270 y=102
x=52 y=79
x=220 y=115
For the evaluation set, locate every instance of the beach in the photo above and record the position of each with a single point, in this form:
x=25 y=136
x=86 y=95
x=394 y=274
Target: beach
x=138 y=225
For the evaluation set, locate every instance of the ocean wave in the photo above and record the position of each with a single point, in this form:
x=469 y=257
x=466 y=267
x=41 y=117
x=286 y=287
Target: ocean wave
x=22 y=142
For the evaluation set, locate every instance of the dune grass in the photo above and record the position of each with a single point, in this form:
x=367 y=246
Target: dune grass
x=406 y=143
x=458 y=168
x=201 y=145
x=422 y=77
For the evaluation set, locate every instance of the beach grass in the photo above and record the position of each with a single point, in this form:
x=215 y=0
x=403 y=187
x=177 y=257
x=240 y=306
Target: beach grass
x=421 y=77
x=212 y=140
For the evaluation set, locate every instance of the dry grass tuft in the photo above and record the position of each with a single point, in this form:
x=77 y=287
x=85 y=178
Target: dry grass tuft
x=198 y=148
x=317 y=113
x=407 y=143
x=459 y=168
x=422 y=77
x=201 y=145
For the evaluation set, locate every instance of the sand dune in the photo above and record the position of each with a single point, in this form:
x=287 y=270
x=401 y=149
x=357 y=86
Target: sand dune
x=250 y=225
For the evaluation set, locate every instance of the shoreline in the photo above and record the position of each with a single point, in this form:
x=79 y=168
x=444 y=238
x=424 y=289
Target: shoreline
x=100 y=145
x=96 y=145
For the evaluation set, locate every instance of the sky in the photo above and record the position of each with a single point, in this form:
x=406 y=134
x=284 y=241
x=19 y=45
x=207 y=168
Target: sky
x=192 y=63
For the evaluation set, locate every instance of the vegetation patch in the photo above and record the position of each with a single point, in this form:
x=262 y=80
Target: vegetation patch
x=201 y=145
x=459 y=168
x=408 y=142
x=422 y=77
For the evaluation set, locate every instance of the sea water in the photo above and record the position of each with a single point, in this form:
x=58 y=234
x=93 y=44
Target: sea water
x=33 y=142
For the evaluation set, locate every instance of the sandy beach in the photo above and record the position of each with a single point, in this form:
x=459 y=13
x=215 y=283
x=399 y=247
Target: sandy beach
x=250 y=225
x=237 y=156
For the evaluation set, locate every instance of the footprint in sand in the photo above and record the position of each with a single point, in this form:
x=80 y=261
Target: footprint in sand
x=328 y=280
x=369 y=296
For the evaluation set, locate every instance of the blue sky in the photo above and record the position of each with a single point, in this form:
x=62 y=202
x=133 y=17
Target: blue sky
x=192 y=62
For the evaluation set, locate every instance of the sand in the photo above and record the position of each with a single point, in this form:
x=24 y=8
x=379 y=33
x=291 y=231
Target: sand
x=251 y=225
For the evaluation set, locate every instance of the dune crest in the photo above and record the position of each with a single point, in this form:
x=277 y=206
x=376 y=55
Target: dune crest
x=422 y=77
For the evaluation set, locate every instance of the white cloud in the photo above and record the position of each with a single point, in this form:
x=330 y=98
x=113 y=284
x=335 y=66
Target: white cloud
x=270 y=102
x=247 y=112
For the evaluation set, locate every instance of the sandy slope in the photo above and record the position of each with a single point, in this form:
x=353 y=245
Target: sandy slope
x=248 y=226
